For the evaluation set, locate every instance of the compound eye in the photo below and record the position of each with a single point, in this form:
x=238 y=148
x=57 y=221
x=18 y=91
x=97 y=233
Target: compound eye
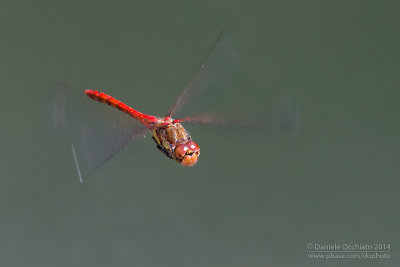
x=193 y=146
x=180 y=151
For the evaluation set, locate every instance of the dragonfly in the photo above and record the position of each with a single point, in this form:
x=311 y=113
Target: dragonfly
x=97 y=132
x=170 y=136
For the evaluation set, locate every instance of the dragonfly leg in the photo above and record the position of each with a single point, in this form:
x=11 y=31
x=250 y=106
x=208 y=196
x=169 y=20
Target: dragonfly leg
x=162 y=149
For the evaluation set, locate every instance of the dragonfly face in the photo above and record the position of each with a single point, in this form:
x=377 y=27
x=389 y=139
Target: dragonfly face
x=187 y=153
x=175 y=142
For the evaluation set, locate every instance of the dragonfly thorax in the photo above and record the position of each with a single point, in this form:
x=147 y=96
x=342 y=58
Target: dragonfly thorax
x=175 y=142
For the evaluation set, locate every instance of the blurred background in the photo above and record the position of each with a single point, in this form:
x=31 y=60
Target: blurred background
x=249 y=202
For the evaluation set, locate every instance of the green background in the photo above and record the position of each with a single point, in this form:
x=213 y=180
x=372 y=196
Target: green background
x=252 y=202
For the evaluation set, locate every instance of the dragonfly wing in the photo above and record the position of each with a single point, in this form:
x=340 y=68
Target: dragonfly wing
x=281 y=115
x=95 y=131
x=222 y=62
x=218 y=88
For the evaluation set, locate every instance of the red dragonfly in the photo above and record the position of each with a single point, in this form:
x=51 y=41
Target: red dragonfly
x=170 y=136
x=97 y=132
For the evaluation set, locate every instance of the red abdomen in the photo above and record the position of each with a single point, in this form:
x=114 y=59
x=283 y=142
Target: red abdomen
x=146 y=120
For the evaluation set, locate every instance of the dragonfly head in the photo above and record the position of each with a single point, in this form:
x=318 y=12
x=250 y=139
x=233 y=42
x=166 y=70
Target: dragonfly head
x=187 y=153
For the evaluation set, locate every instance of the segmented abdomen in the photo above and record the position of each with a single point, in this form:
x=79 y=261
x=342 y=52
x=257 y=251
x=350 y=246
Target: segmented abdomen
x=109 y=100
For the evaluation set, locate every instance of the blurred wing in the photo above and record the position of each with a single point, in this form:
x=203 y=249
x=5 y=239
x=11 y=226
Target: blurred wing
x=220 y=65
x=282 y=114
x=95 y=130
x=218 y=89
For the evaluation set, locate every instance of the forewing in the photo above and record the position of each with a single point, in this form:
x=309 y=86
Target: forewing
x=216 y=98
x=222 y=63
